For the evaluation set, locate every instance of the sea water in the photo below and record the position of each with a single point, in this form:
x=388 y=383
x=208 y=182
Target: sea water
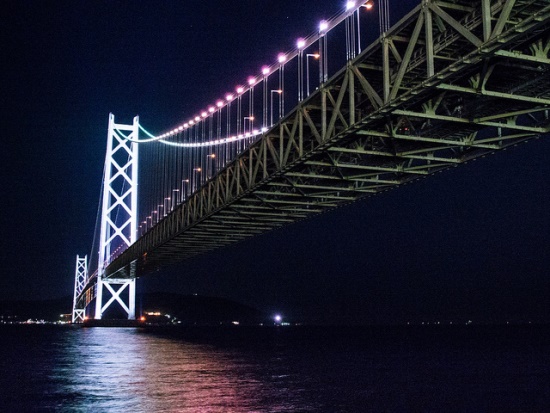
x=275 y=369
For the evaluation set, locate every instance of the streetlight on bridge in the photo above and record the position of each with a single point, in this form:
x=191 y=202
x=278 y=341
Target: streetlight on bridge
x=279 y=92
x=210 y=165
x=323 y=51
x=195 y=172
x=183 y=191
x=265 y=73
x=175 y=198
x=250 y=123
x=300 y=44
x=281 y=59
x=308 y=55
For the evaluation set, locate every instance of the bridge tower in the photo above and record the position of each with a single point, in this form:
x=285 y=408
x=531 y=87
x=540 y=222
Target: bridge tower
x=118 y=215
x=80 y=279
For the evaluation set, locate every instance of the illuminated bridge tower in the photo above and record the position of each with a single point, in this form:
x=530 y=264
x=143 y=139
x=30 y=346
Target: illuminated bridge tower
x=118 y=215
x=80 y=279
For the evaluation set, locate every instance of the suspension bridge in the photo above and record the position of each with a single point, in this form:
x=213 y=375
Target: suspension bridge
x=328 y=123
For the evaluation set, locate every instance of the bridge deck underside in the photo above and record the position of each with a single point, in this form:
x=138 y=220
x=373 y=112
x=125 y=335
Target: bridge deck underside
x=449 y=83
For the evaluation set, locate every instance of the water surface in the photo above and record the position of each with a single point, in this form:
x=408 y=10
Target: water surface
x=294 y=369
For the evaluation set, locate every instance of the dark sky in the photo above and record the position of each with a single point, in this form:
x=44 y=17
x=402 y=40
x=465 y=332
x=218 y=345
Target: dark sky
x=470 y=243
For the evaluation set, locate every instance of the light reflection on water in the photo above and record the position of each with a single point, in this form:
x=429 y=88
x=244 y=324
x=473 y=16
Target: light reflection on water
x=125 y=370
x=46 y=369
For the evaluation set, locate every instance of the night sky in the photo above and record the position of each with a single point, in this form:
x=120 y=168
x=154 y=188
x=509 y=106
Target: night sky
x=471 y=243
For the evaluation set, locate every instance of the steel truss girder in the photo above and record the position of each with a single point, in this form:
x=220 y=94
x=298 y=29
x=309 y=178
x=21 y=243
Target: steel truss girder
x=450 y=82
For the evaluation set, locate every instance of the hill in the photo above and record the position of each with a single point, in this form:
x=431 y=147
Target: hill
x=201 y=310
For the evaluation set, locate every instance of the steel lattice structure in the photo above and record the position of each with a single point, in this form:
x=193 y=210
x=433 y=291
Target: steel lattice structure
x=118 y=225
x=80 y=280
x=452 y=81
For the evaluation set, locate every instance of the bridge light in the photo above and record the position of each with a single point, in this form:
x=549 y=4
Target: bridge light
x=191 y=122
x=278 y=318
x=219 y=103
x=350 y=5
x=180 y=128
x=369 y=5
x=229 y=97
x=301 y=43
x=204 y=114
x=197 y=118
x=281 y=58
x=265 y=70
x=211 y=109
x=239 y=89
x=251 y=81
x=323 y=26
